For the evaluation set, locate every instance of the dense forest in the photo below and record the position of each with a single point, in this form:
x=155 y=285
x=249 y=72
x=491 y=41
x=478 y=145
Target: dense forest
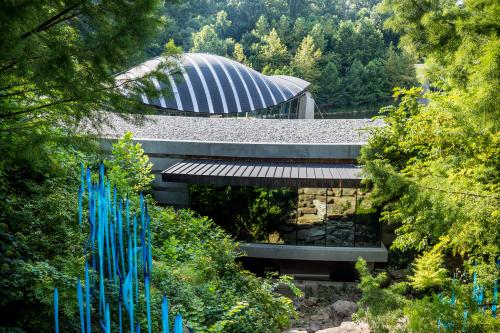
x=341 y=47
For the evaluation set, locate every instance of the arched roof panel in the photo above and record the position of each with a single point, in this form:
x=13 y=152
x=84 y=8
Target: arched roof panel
x=213 y=84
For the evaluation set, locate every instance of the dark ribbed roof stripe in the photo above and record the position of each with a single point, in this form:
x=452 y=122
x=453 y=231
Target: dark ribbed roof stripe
x=276 y=80
x=279 y=90
x=190 y=86
x=203 y=82
x=249 y=71
x=269 y=90
x=175 y=90
x=250 y=99
x=217 y=82
x=231 y=83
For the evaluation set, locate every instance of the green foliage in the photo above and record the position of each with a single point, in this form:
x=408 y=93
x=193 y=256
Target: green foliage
x=430 y=271
x=382 y=308
x=40 y=240
x=57 y=60
x=434 y=167
x=387 y=309
x=304 y=63
x=128 y=168
x=340 y=47
x=194 y=261
x=195 y=266
x=210 y=38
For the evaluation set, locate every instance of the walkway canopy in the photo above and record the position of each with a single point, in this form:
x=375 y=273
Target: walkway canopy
x=205 y=83
x=263 y=173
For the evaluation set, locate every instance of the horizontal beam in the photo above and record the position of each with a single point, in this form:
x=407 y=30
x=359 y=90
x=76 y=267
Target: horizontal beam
x=316 y=253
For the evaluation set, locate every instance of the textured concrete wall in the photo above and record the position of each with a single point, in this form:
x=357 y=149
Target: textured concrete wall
x=306 y=106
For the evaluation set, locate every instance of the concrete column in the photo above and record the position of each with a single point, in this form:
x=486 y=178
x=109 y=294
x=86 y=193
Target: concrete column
x=306 y=106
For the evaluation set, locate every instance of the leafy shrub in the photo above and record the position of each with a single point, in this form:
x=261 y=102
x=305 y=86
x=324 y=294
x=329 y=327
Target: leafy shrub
x=397 y=309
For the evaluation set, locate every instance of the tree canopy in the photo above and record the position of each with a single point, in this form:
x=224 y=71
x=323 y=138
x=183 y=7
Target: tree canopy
x=323 y=41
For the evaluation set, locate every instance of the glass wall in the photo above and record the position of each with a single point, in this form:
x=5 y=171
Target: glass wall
x=294 y=216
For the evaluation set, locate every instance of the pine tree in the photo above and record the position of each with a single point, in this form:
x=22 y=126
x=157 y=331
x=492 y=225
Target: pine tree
x=353 y=84
x=273 y=53
x=328 y=87
x=207 y=40
x=305 y=61
x=57 y=60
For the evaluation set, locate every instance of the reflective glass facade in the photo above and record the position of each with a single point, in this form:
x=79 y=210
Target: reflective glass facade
x=294 y=216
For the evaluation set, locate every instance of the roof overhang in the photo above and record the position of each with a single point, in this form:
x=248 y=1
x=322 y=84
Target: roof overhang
x=263 y=173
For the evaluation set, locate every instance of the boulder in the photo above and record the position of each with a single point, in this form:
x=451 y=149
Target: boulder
x=310 y=301
x=348 y=327
x=398 y=274
x=342 y=311
x=320 y=206
x=314 y=326
x=295 y=331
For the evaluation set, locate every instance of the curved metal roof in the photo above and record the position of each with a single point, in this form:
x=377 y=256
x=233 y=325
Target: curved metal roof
x=209 y=83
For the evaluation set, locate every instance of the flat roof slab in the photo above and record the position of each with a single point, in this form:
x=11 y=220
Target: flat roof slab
x=241 y=130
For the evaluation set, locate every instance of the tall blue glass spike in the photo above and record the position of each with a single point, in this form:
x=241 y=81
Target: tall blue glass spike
x=87 y=298
x=128 y=294
x=127 y=215
x=178 y=324
x=164 y=315
x=150 y=255
x=112 y=245
x=56 y=310
x=79 y=296
x=107 y=319
x=120 y=236
x=106 y=201
x=148 y=302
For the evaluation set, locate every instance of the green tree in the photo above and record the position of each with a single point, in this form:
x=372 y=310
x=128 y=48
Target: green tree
x=273 y=53
x=207 y=40
x=305 y=61
x=329 y=87
x=318 y=35
x=399 y=68
x=239 y=53
x=57 y=60
x=353 y=83
x=129 y=168
x=375 y=87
